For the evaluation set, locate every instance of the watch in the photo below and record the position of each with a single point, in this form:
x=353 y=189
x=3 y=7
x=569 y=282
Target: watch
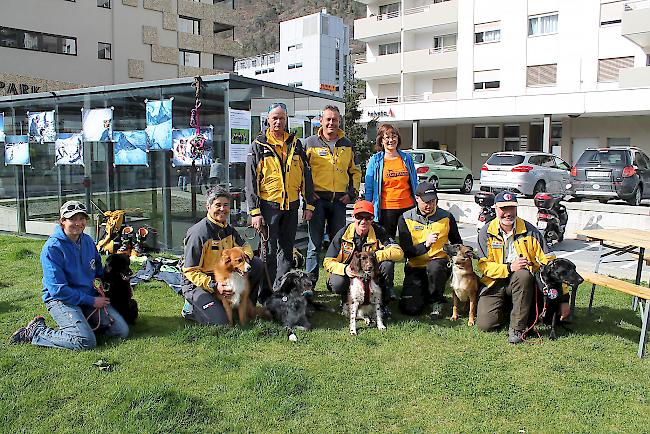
x=212 y=285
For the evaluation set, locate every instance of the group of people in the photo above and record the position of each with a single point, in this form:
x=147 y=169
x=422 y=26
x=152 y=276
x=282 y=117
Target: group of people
x=398 y=218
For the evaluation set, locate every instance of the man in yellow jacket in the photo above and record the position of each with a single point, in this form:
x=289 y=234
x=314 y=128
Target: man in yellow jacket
x=360 y=236
x=336 y=181
x=511 y=250
x=277 y=174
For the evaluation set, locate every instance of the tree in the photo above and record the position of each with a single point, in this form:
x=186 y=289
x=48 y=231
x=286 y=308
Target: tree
x=356 y=132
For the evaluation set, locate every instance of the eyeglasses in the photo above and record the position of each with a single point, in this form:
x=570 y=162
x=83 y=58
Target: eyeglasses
x=366 y=217
x=76 y=207
x=282 y=105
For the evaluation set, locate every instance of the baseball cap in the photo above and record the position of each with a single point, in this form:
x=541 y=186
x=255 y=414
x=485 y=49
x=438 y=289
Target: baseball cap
x=72 y=207
x=426 y=191
x=363 y=206
x=505 y=198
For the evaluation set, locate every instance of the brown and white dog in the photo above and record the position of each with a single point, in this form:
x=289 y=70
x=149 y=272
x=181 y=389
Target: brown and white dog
x=364 y=297
x=464 y=281
x=232 y=268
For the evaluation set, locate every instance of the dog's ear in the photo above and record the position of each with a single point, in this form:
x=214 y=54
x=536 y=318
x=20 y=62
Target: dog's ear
x=451 y=249
x=285 y=283
x=225 y=255
x=471 y=253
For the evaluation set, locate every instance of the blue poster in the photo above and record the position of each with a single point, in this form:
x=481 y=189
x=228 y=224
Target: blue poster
x=41 y=127
x=2 y=127
x=159 y=124
x=130 y=148
x=17 y=150
x=68 y=149
x=97 y=124
x=185 y=150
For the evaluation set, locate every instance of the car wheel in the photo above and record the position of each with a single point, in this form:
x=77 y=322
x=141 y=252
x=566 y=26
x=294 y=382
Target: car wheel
x=467 y=185
x=637 y=194
x=434 y=181
x=603 y=200
x=539 y=187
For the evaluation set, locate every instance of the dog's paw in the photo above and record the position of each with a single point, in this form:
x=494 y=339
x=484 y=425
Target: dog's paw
x=453 y=318
x=470 y=322
x=381 y=327
x=367 y=321
x=293 y=337
x=353 y=332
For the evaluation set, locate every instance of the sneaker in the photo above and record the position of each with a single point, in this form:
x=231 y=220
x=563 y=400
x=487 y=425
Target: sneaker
x=515 y=336
x=436 y=311
x=187 y=310
x=25 y=334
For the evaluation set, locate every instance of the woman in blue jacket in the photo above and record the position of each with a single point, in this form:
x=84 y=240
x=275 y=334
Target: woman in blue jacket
x=70 y=264
x=391 y=179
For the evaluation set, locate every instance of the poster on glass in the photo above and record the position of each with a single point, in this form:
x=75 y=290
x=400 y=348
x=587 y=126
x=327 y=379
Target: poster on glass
x=159 y=124
x=297 y=127
x=68 y=149
x=183 y=153
x=240 y=135
x=41 y=127
x=17 y=150
x=130 y=148
x=97 y=124
x=2 y=127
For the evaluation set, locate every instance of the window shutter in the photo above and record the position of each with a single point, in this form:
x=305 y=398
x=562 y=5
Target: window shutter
x=541 y=75
x=608 y=68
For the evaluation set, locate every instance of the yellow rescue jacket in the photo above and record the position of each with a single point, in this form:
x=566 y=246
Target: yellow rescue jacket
x=341 y=248
x=528 y=244
x=333 y=171
x=414 y=228
x=278 y=178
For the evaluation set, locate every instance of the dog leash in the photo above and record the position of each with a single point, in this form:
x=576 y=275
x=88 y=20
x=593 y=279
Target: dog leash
x=264 y=251
x=99 y=287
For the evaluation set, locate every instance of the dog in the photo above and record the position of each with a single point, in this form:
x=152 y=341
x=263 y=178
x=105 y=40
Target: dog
x=364 y=297
x=464 y=282
x=232 y=268
x=549 y=279
x=117 y=287
x=288 y=305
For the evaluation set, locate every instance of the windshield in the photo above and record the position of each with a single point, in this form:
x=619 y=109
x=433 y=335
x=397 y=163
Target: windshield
x=418 y=157
x=608 y=157
x=505 y=159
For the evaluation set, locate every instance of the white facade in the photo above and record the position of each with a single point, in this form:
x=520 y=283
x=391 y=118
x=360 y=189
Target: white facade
x=313 y=55
x=553 y=69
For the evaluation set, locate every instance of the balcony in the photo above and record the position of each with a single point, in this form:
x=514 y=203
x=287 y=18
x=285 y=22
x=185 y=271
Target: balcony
x=422 y=97
x=634 y=77
x=636 y=23
x=438 y=13
x=377 y=26
x=380 y=66
x=440 y=61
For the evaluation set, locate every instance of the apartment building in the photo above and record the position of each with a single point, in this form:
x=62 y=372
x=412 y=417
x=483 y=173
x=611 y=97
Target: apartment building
x=48 y=45
x=479 y=76
x=313 y=55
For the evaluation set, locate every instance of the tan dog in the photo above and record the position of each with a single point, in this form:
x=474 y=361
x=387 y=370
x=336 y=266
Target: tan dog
x=464 y=281
x=232 y=269
x=364 y=297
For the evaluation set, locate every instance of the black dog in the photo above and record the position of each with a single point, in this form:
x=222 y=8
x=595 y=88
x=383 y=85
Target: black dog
x=550 y=278
x=117 y=274
x=288 y=305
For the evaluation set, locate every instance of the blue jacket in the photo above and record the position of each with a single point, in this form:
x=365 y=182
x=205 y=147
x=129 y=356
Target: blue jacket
x=375 y=178
x=69 y=269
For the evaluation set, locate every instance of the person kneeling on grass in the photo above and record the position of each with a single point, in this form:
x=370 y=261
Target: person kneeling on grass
x=71 y=263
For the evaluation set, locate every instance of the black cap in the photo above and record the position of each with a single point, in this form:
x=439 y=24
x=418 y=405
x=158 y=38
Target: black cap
x=505 y=198
x=426 y=191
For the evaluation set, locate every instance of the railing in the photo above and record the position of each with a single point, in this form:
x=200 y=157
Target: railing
x=386 y=16
x=427 y=96
x=636 y=5
x=360 y=61
x=256 y=61
x=445 y=49
x=420 y=9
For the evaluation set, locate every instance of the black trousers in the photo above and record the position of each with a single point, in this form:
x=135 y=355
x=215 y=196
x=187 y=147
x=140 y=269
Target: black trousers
x=282 y=237
x=341 y=284
x=388 y=218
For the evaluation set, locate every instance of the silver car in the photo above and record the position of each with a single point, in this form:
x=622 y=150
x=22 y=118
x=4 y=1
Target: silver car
x=525 y=173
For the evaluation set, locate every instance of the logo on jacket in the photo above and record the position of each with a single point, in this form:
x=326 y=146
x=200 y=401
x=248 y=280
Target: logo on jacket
x=92 y=264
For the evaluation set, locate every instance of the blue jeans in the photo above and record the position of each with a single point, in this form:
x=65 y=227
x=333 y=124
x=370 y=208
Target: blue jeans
x=75 y=332
x=324 y=211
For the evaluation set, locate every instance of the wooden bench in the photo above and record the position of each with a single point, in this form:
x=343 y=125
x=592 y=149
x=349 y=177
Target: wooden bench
x=626 y=288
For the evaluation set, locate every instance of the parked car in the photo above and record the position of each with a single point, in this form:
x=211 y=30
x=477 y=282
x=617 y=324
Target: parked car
x=621 y=172
x=525 y=173
x=442 y=169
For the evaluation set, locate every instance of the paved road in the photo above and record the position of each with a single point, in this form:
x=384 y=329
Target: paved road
x=583 y=254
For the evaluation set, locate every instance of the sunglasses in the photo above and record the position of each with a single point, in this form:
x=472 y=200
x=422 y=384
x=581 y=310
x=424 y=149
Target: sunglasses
x=76 y=207
x=364 y=217
x=282 y=105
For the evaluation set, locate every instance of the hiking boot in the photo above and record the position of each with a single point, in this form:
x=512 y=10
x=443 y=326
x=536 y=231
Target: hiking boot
x=25 y=334
x=436 y=311
x=515 y=336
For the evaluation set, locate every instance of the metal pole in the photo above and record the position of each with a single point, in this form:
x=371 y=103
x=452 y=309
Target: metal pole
x=166 y=201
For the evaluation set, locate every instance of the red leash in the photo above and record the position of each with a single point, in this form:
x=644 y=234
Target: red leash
x=97 y=284
x=532 y=326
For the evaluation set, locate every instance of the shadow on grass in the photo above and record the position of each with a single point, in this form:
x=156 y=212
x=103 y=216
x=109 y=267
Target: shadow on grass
x=605 y=320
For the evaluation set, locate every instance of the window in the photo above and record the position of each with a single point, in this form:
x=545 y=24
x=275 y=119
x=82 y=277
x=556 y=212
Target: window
x=611 y=12
x=482 y=85
x=445 y=42
x=294 y=65
x=104 y=50
x=541 y=75
x=104 y=4
x=511 y=131
x=392 y=48
x=37 y=41
x=189 y=25
x=610 y=22
x=542 y=25
x=487 y=36
x=294 y=47
x=189 y=58
x=488 y=79
x=561 y=164
x=486 y=132
x=608 y=69
x=295 y=84
x=390 y=11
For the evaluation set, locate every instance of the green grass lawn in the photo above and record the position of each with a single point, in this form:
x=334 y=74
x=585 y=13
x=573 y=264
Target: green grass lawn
x=417 y=376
